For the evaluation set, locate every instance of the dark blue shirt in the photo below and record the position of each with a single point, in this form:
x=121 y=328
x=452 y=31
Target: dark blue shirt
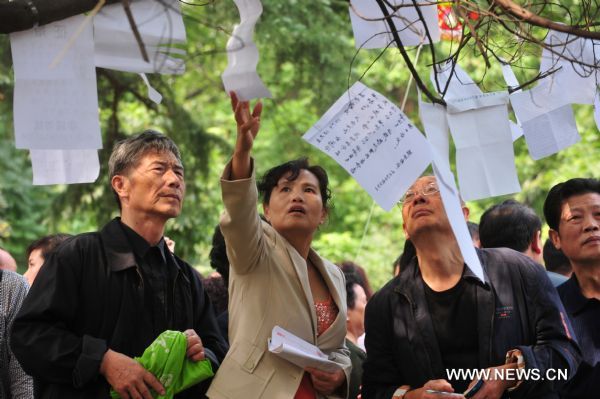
x=585 y=319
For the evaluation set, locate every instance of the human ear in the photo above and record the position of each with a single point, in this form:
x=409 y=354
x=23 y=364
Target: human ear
x=120 y=184
x=406 y=235
x=555 y=237
x=536 y=243
x=267 y=212
x=466 y=212
x=324 y=215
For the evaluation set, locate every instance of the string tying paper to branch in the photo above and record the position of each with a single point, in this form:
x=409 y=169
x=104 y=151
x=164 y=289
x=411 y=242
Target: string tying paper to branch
x=59 y=57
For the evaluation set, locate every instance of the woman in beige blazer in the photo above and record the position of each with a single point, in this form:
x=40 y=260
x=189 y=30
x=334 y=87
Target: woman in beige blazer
x=276 y=278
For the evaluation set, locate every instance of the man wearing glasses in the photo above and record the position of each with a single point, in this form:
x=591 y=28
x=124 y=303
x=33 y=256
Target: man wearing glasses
x=437 y=319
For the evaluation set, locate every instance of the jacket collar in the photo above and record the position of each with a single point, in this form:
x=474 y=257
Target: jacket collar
x=139 y=245
x=333 y=291
x=571 y=296
x=119 y=254
x=301 y=270
x=410 y=284
x=119 y=251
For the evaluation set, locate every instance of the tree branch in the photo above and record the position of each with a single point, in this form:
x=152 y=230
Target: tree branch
x=533 y=19
x=134 y=29
x=405 y=56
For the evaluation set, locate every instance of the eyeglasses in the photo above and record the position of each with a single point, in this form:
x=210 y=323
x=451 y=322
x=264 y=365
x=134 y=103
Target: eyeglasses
x=429 y=189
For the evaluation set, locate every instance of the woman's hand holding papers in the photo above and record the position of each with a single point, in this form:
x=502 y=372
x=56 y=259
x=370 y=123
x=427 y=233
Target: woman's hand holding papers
x=325 y=382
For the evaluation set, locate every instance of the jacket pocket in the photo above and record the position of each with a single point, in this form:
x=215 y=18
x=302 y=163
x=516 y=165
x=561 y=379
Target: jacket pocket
x=239 y=375
x=247 y=355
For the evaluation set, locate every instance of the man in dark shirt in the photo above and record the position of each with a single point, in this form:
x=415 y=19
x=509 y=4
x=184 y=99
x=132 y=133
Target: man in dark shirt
x=102 y=298
x=572 y=210
x=437 y=319
x=513 y=225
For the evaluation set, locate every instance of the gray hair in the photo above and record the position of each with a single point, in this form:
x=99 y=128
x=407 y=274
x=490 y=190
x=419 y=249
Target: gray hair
x=126 y=154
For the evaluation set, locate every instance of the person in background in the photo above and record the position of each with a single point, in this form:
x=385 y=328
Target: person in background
x=474 y=233
x=276 y=278
x=356 y=299
x=513 y=225
x=363 y=280
x=14 y=383
x=361 y=275
x=102 y=298
x=572 y=210
x=220 y=262
x=216 y=290
x=38 y=251
x=555 y=260
x=170 y=244
x=438 y=315
x=7 y=262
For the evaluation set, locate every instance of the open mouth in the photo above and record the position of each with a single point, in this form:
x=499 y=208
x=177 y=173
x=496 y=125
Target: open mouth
x=297 y=209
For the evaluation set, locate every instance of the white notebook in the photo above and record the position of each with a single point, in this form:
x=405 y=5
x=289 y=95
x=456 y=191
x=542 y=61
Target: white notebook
x=296 y=350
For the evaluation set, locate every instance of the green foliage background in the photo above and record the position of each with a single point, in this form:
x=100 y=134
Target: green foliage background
x=307 y=60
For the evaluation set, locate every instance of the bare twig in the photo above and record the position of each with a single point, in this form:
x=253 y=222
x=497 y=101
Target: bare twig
x=406 y=58
x=534 y=19
x=478 y=41
x=134 y=29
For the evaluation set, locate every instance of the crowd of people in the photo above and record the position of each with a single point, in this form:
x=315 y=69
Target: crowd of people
x=91 y=306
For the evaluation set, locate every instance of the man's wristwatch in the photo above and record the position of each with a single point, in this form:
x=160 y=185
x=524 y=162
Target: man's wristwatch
x=515 y=356
x=400 y=392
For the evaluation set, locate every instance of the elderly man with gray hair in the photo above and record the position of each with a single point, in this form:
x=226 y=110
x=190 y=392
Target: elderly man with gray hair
x=7 y=262
x=104 y=297
x=14 y=383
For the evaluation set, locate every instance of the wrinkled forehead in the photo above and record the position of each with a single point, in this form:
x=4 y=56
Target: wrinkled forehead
x=422 y=182
x=164 y=156
x=580 y=201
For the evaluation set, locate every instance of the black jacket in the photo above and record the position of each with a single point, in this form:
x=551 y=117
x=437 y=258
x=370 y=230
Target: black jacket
x=517 y=307
x=584 y=314
x=88 y=297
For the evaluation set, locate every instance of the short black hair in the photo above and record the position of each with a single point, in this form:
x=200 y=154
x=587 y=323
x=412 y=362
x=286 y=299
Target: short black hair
x=272 y=176
x=562 y=192
x=46 y=244
x=406 y=256
x=509 y=224
x=555 y=260
x=218 y=255
x=216 y=290
x=348 y=266
x=473 y=230
x=352 y=279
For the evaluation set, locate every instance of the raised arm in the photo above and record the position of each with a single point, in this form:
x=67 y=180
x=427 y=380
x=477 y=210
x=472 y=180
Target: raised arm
x=248 y=125
x=240 y=223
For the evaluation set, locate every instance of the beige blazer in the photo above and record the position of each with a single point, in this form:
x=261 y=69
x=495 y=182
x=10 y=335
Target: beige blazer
x=268 y=286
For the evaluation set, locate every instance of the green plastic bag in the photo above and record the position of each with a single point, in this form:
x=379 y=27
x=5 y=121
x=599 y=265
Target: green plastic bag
x=165 y=358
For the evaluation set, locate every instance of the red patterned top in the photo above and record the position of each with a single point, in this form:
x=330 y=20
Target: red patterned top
x=326 y=311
